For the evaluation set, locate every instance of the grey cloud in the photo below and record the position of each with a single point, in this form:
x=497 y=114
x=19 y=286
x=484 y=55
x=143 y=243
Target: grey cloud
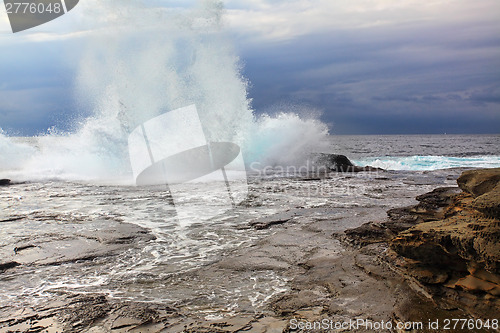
x=412 y=77
x=486 y=95
x=430 y=70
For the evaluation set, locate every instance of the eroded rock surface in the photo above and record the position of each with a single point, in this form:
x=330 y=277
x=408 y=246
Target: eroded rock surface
x=449 y=243
x=484 y=186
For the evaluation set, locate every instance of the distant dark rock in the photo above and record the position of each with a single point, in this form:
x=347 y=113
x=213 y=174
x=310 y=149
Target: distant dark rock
x=338 y=163
x=4 y=182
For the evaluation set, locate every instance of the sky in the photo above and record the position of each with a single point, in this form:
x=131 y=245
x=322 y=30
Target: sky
x=368 y=66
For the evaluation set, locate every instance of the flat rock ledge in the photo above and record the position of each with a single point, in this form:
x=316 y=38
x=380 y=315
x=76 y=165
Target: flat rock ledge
x=448 y=244
x=435 y=260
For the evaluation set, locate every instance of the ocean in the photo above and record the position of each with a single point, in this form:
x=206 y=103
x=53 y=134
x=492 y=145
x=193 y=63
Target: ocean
x=61 y=223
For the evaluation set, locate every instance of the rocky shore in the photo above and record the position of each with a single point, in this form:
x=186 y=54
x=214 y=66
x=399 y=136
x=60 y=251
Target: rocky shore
x=434 y=261
x=449 y=244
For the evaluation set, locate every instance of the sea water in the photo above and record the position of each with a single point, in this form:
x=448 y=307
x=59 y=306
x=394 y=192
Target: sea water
x=422 y=152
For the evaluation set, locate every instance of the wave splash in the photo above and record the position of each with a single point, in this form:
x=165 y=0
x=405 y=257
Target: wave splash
x=142 y=62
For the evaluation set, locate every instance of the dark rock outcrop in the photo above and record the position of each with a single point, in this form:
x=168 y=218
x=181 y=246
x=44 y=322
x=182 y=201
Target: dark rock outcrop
x=464 y=235
x=460 y=252
x=339 y=163
x=4 y=182
x=449 y=242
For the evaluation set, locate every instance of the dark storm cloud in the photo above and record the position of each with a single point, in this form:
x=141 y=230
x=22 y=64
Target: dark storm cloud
x=35 y=89
x=371 y=66
x=377 y=79
x=487 y=95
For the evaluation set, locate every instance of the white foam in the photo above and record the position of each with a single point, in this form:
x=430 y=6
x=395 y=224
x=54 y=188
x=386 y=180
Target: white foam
x=141 y=62
x=422 y=163
x=13 y=155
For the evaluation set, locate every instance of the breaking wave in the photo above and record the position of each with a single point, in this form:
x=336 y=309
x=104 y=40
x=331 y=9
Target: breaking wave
x=144 y=61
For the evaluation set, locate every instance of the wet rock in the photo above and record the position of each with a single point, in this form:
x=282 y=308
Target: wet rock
x=334 y=162
x=84 y=310
x=235 y=324
x=269 y=325
x=107 y=239
x=430 y=208
x=260 y=261
x=4 y=182
x=436 y=199
x=91 y=313
x=339 y=163
x=317 y=277
x=355 y=284
x=260 y=224
x=276 y=219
